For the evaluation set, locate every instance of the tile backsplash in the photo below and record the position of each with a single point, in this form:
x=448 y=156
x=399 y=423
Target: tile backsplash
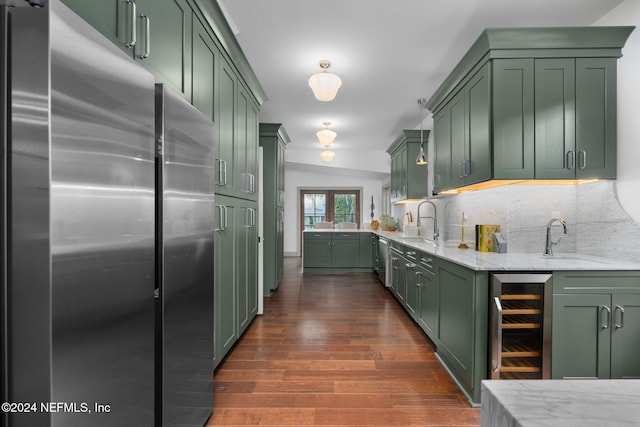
x=597 y=224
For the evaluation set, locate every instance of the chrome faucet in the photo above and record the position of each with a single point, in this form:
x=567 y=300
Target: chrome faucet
x=548 y=250
x=436 y=233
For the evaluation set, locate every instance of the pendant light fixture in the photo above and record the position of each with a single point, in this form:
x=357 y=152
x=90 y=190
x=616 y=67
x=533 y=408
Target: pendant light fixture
x=422 y=157
x=327 y=155
x=324 y=84
x=326 y=136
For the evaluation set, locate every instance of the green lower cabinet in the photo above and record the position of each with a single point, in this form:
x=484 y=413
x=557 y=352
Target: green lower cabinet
x=340 y=250
x=317 y=250
x=367 y=243
x=235 y=271
x=398 y=277
x=411 y=301
x=596 y=325
x=345 y=250
x=427 y=301
x=225 y=330
x=246 y=264
x=581 y=345
x=462 y=324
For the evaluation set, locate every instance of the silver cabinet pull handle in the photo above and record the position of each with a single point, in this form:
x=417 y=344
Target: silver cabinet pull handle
x=147 y=36
x=460 y=170
x=621 y=324
x=224 y=175
x=571 y=159
x=134 y=30
x=608 y=322
x=219 y=217
x=418 y=280
x=583 y=154
x=496 y=351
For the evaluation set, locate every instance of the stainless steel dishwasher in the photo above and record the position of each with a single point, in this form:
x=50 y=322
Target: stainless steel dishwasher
x=382 y=256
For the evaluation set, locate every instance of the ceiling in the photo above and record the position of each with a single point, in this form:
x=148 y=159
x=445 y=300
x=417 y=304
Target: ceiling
x=388 y=53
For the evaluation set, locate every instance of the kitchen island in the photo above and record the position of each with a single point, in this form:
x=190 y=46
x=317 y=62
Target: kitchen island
x=447 y=291
x=555 y=403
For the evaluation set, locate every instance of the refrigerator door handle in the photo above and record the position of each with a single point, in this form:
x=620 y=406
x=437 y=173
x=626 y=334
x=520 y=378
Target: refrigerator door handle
x=496 y=348
x=132 y=24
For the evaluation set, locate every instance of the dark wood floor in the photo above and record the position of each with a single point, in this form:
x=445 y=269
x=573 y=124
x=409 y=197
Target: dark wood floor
x=335 y=350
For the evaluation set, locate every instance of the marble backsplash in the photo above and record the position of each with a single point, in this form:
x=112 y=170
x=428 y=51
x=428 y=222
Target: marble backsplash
x=597 y=224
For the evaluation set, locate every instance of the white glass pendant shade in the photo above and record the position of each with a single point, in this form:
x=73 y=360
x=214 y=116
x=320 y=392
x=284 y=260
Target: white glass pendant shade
x=326 y=136
x=327 y=155
x=324 y=84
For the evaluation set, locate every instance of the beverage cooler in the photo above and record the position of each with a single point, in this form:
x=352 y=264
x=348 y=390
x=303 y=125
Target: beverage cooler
x=521 y=326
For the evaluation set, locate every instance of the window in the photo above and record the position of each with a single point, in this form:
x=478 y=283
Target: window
x=329 y=206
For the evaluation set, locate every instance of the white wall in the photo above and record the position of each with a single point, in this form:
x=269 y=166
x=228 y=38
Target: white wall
x=297 y=179
x=628 y=183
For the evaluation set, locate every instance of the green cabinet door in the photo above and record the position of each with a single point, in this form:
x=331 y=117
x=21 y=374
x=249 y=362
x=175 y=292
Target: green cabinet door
x=246 y=264
x=555 y=137
x=457 y=319
x=316 y=250
x=402 y=173
x=428 y=302
x=226 y=115
x=458 y=141
x=625 y=336
x=412 y=288
x=205 y=56
x=513 y=118
x=246 y=146
x=224 y=278
x=113 y=18
x=595 y=118
x=164 y=41
x=367 y=242
x=442 y=150
x=477 y=166
x=581 y=336
x=345 y=249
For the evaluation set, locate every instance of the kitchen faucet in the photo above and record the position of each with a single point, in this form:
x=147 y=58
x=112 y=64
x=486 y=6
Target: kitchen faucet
x=549 y=244
x=436 y=233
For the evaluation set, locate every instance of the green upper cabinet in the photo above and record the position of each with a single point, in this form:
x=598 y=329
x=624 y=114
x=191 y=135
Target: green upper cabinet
x=596 y=118
x=246 y=162
x=113 y=18
x=529 y=103
x=513 y=118
x=408 y=180
x=205 y=59
x=164 y=41
x=462 y=135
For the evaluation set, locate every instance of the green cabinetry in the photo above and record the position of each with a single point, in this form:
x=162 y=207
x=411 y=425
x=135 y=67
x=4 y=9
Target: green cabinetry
x=461 y=135
x=273 y=140
x=367 y=246
x=529 y=103
x=316 y=250
x=236 y=271
x=427 y=287
x=335 y=250
x=596 y=325
x=408 y=180
x=462 y=324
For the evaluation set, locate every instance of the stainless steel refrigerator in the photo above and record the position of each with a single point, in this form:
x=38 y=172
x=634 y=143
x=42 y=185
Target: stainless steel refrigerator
x=186 y=183
x=99 y=300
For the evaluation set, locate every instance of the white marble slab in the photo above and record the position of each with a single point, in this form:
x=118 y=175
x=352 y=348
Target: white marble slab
x=536 y=261
x=491 y=261
x=560 y=403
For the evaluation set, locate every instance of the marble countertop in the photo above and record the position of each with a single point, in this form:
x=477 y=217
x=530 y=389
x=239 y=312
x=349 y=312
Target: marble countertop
x=560 y=403
x=492 y=261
